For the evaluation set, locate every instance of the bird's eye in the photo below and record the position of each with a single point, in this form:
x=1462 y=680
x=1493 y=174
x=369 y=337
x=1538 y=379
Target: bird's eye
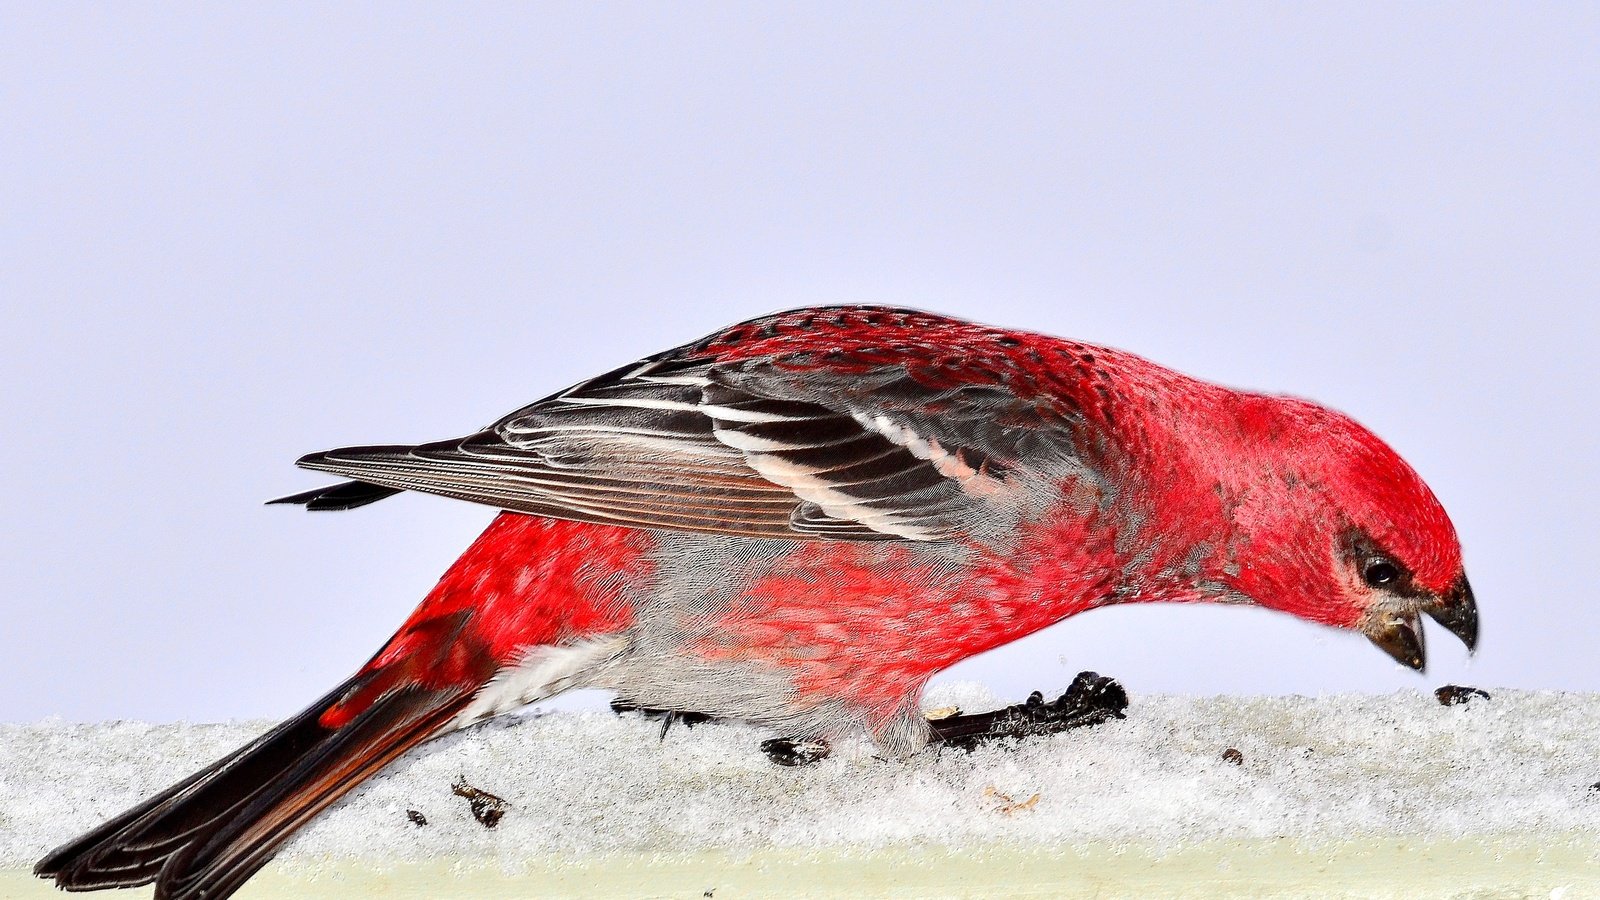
x=1380 y=572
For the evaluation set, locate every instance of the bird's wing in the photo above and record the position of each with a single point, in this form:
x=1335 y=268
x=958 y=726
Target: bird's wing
x=858 y=446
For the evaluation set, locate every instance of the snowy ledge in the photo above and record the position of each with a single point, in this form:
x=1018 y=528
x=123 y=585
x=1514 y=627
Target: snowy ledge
x=1391 y=795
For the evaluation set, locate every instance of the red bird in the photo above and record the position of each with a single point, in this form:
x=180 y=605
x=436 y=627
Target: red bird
x=796 y=522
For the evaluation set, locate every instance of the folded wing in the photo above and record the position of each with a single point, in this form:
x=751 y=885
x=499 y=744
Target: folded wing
x=762 y=447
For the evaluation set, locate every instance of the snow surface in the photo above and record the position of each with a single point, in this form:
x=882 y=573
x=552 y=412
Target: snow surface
x=1316 y=770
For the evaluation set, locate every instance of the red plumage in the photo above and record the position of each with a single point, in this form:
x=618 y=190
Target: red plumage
x=797 y=521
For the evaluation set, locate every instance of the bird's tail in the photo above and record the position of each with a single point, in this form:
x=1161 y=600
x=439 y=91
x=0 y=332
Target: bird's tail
x=344 y=495
x=205 y=836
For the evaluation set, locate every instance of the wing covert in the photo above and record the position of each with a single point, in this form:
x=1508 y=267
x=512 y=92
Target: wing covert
x=768 y=446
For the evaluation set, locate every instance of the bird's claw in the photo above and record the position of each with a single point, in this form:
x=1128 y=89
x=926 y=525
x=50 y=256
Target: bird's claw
x=1092 y=699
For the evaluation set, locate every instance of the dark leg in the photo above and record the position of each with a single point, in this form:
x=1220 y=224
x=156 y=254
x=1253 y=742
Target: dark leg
x=1090 y=700
x=783 y=751
x=668 y=717
x=787 y=752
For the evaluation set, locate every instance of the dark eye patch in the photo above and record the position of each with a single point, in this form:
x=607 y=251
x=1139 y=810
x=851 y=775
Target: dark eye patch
x=1380 y=573
x=1377 y=566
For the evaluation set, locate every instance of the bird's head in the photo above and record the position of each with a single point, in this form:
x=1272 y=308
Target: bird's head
x=1330 y=524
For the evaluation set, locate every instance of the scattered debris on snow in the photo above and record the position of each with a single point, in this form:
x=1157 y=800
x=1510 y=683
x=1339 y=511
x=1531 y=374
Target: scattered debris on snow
x=1322 y=770
x=1008 y=805
x=487 y=808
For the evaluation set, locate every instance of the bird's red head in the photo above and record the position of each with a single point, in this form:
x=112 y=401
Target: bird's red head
x=1332 y=525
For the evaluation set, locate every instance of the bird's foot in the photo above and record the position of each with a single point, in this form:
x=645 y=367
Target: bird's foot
x=1090 y=700
x=668 y=717
x=788 y=752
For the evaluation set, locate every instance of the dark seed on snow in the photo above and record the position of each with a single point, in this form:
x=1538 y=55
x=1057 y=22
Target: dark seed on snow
x=417 y=818
x=1456 y=695
x=1233 y=756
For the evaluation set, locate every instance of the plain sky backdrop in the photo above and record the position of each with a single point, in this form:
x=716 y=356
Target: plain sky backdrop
x=232 y=234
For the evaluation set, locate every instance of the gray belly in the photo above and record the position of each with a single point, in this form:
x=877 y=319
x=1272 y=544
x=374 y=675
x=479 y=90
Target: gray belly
x=694 y=603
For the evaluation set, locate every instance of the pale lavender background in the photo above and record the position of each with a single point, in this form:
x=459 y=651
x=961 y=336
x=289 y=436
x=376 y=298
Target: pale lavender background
x=231 y=236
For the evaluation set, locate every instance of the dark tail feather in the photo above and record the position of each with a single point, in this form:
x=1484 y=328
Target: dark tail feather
x=345 y=495
x=205 y=836
x=130 y=849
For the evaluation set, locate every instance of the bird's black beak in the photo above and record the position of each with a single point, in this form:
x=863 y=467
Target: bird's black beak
x=1458 y=612
x=1399 y=634
x=1396 y=628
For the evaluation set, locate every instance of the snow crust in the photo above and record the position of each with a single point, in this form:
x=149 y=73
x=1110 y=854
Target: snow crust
x=1315 y=770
